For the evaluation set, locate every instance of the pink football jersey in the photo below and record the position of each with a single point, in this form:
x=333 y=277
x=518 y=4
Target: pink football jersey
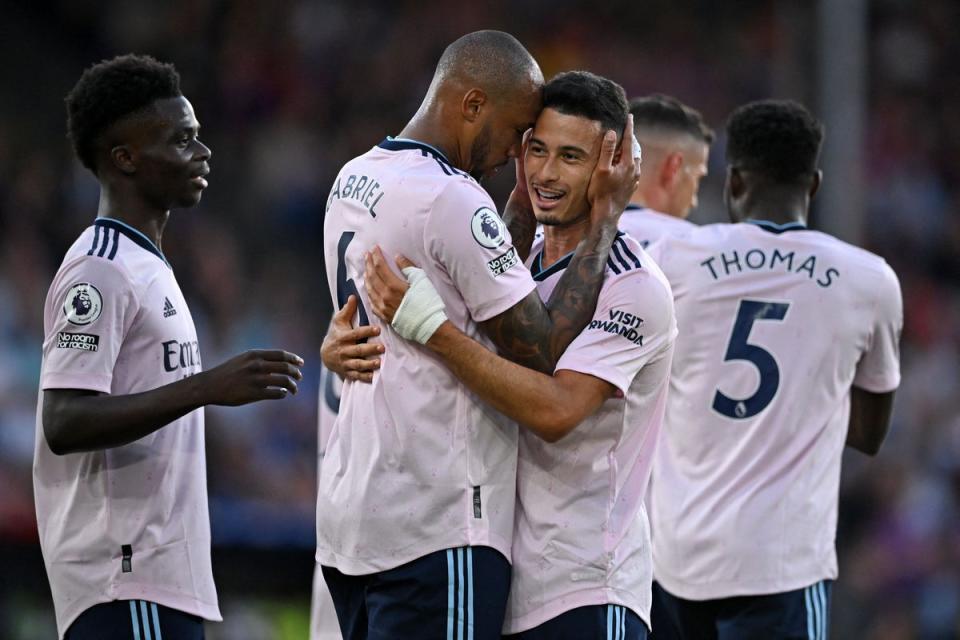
x=128 y=522
x=416 y=463
x=776 y=324
x=647 y=226
x=582 y=536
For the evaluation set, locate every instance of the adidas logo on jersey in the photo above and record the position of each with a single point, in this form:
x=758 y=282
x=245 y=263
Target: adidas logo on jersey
x=168 y=309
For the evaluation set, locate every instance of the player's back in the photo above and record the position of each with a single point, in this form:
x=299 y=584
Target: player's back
x=776 y=324
x=649 y=225
x=415 y=463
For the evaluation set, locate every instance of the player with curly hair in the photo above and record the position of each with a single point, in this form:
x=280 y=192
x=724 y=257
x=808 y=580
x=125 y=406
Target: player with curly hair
x=788 y=350
x=119 y=461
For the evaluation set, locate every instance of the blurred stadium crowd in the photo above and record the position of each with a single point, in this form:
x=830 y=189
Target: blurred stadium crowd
x=287 y=91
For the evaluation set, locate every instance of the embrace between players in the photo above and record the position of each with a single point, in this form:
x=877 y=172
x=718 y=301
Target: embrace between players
x=486 y=467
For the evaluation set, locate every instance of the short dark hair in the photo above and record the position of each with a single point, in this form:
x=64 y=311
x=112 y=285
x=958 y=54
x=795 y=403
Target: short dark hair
x=109 y=91
x=779 y=139
x=665 y=113
x=585 y=94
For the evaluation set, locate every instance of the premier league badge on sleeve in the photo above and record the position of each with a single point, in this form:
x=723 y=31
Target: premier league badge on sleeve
x=488 y=229
x=82 y=304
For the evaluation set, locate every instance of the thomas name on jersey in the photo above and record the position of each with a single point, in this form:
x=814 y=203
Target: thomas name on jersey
x=755 y=259
x=363 y=189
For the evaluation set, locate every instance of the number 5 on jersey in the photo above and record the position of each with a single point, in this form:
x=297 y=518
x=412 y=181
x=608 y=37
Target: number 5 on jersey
x=739 y=348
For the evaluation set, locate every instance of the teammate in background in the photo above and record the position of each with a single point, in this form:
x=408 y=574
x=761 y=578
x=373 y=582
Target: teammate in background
x=119 y=465
x=323 y=616
x=676 y=144
x=788 y=350
x=418 y=484
x=581 y=545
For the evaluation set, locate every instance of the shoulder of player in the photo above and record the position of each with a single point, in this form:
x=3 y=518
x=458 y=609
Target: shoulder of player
x=120 y=267
x=462 y=196
x=631 y=268
x=869 y=265
x=428 y=159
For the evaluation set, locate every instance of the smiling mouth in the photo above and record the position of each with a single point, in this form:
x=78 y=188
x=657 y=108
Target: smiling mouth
x=547 y=198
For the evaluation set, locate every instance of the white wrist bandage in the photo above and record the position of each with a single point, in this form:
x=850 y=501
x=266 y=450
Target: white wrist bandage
x=420 y=312
x=636 y=148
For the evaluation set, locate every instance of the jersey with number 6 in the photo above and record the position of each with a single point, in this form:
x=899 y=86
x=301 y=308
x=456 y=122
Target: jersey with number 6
x=415 y=462
x=776 y=324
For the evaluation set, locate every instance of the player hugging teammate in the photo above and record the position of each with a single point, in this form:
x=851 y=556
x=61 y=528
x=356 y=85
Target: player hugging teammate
x=558 y=423
x=762 y=396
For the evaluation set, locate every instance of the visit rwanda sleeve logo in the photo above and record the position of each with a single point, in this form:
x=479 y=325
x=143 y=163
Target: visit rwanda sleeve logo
x=82 y=304
x=488 y=229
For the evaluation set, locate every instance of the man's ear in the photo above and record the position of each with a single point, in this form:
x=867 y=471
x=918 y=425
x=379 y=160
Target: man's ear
x=735 y=183
x=473 y=104
x=815 y=183
x=670 y=169
x=122 y=159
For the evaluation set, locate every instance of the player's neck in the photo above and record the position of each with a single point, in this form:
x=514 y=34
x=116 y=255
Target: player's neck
x=780 y=213
x=133 y=211
x=650 y=200
x=429 y=129
x=559 y=241
x=779 y=206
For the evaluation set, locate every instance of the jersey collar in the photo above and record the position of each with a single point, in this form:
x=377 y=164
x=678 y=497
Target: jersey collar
x=540 y=274
x=773 y=227
x=406 y=144
x=402 y=144
x=134 y=235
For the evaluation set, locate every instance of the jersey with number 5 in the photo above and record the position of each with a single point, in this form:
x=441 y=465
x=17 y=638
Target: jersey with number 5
x=776 y=324
x=415 y=462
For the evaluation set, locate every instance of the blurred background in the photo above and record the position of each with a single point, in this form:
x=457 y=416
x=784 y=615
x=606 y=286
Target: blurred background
x=288 y=90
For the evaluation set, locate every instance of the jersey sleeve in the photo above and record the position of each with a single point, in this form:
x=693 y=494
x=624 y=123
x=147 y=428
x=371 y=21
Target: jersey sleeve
x=466 y=236
x=634 y=323
x=90 y=308
x=879 y=368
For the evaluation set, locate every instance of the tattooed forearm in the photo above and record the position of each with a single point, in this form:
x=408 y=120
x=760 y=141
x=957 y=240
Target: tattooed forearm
x=574 y=299
x=522 y=225
x=522 y=334
x=536 y=335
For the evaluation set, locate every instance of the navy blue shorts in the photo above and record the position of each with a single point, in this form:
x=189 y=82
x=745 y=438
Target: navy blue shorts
x=134 y=620
x=596 y=622
x=803 y=614
x=454 y=594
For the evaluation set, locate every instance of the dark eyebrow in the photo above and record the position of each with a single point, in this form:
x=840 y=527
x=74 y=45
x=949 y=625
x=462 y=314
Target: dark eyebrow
x=575 y=150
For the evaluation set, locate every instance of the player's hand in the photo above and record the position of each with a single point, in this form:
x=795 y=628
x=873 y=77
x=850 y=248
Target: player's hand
x=252 y=376
x=345 y=350
x=520 y=191
x=385 y=289
x=412 y=307
x=615 y=177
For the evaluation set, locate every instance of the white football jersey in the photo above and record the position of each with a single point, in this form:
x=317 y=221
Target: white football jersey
x=646 y=226
x=776 y=324
x=130 y=522
x=415 y=462
x=582 y=536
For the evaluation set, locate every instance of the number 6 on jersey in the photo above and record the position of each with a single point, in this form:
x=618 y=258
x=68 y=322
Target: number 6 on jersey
x=740 y=349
